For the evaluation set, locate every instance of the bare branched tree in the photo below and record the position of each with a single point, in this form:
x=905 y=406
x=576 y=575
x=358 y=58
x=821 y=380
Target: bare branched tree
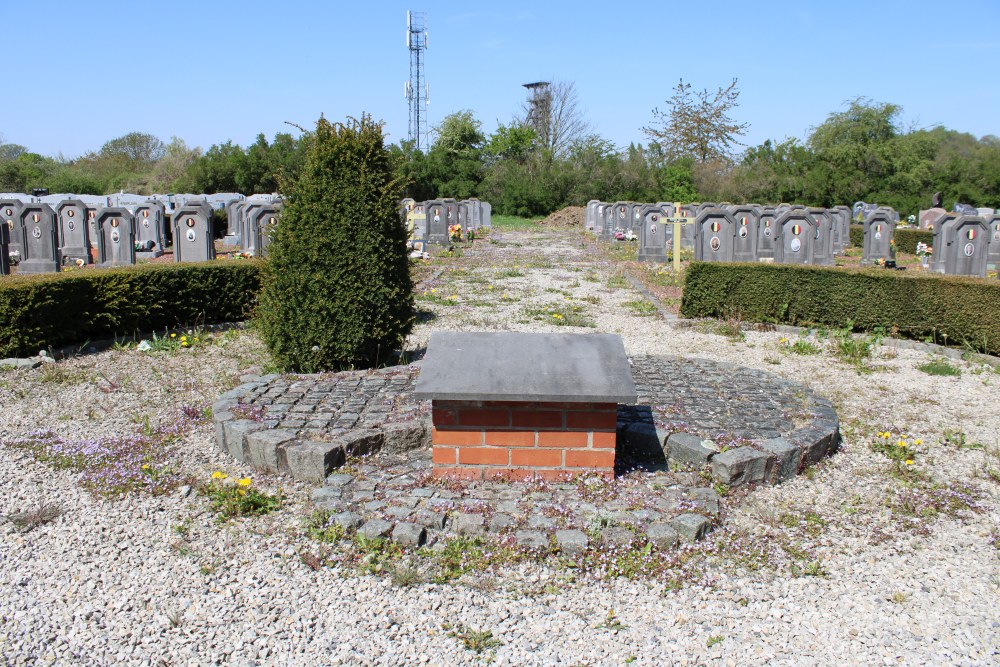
x=553 y=112
x=698 y=124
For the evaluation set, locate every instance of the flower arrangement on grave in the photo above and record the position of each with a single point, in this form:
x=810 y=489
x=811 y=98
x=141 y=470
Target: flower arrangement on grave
x=923 y=250
x=624 y=234
x=455 y=232
x=892 y=249
x=14 y=257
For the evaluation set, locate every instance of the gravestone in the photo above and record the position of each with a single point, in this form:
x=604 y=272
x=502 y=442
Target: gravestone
x=621 y=219
x=590 y=217
x=823 y=250
x=452 y=208
x=262 y=226
x=10 y=217
x=247 y=212
x=92 y=229
x=964 y=246
x=767 y=231
x=747 y=220
x=654 y=232
x=4 y=249
x=715 y=236
x=878 y=230
x=937 y=225
x=704 y=206
x=636 y=219
x=486 y=214
x=927 y=218
x=985 y=213
x=416 y=228
x=40 y=238
x=74 y=236
x=193 y=235
x=993 y=229
x=796 y=237
x=841 y=228
x=599 y=219
x=234 y=224
x=688 y=232
x=116 y=237
x=150 y=230
x=437 y=223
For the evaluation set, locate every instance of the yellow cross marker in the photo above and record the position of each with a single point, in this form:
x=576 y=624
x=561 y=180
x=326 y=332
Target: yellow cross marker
x=678 y=221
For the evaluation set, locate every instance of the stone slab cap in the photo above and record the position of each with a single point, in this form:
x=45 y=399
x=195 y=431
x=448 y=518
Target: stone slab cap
x=514 y=366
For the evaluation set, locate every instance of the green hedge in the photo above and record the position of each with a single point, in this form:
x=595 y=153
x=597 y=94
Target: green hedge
x=45 y=311
x=952 y=309
x=906 y=239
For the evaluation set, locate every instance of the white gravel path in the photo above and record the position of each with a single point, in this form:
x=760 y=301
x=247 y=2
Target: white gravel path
x=116 y=582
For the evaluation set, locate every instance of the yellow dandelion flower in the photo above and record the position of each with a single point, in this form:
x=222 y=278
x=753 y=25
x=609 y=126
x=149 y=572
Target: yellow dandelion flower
x=173 y=335
x=909 y=462
x=918 y=442
x=219 y=475
x=245 y=482
x=145 y=466
x=433 y=290
x=885 y=436
x=901 y=443
x=783 y=341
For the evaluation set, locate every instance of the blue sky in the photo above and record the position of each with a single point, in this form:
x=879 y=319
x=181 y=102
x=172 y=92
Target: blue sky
x=215 y=71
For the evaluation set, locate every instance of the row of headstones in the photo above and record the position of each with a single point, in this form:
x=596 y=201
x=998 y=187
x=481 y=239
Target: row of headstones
x=964 y=244
x=427 y=222
x=728 y=232
x=44 y=239
x=250 y=223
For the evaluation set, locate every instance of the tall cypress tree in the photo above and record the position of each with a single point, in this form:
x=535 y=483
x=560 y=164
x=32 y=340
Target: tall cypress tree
x=336 y=289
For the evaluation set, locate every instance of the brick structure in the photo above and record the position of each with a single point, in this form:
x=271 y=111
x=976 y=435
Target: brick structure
x=515 y=405
x=522 y=439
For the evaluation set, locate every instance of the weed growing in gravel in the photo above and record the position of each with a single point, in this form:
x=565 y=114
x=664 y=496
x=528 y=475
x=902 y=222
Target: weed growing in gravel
x=515 y=272
x=114 y=466
x=321 y=527
x=612 y=622
x=434 y=296
x=641 y=307
x=714 y=639
x=902 y=450
x=237 y=498
x=617 y=280
x=30 y=519
x=940 y=366
x=475 y=640
x=406 y=575
x=854 y=350
x=915 y=505
x=375 y=555
x=248 y=411
x=802 y=346
x=61 y=374
x=560 y=315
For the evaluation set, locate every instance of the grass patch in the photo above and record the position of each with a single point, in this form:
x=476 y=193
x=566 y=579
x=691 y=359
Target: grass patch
x=514 y=223
x=641 y=307
x=561 y=315
x=238 y=498
x=940 y=366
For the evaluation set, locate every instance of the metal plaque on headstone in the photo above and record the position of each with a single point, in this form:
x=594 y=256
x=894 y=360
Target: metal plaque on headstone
x=193 y=235
x=747 y=220
x=715 y=236
x=151 y=230
x=116 y=234
x=39 y=227
x=74 y=235
x=879 y=228
x=10 y=217
x=964 y=247
x=796 y=237
x=654 y=233
x=823 y=249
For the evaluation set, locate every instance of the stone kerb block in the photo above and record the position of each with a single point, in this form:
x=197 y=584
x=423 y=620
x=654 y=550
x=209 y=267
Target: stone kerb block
x=687 y=450
x=740 y=466
x=39 y=235
x=74 y=235
x=116 y=234
x=786 y=460
x=193 y=234
x=796 y=239
x=715 y=235
x=150 y=229
x=10 y=216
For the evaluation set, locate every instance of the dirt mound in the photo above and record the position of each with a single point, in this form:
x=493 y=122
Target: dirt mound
x=571 y=216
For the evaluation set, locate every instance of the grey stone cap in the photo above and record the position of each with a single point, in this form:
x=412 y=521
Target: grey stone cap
x=513 y=366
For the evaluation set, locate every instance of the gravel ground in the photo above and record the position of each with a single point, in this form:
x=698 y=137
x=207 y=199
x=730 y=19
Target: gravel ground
x=849 y=577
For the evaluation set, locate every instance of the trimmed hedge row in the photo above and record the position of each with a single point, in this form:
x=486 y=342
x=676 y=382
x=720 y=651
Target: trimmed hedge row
x=906 y=239
x=952 y=309
x=44 y=311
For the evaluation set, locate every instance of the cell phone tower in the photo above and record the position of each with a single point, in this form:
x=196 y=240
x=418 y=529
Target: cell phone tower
x=417 y=90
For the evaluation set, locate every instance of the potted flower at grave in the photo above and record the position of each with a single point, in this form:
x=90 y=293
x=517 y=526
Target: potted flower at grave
x=924 y=253
x=455 y=232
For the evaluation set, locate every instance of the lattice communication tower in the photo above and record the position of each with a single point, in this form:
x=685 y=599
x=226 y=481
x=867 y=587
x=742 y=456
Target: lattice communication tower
x=417 y=90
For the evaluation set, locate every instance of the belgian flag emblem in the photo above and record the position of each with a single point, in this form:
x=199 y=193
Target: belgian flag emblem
x=971 y=234
x=715 y=226
x=796 y=229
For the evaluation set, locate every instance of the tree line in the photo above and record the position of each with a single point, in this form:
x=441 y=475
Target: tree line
x=541 y=161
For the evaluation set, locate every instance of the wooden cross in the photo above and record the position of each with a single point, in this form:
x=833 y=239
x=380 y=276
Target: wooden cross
x=678 y=221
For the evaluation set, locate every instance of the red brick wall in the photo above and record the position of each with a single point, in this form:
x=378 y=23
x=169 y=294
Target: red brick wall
x=517 y=440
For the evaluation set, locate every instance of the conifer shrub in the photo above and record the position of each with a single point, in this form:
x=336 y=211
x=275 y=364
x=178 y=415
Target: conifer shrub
x=336 y=290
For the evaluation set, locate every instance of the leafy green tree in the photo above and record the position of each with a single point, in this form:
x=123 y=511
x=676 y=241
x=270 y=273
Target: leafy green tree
x=336 y=291
x=698 y=124
x=456 y=156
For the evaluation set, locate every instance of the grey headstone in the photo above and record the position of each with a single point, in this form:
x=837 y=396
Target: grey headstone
x=739 y=466
x=10 y=216
x=993 y=247
x=572 y=541
x=823 y=250
x=691 y=527
x=437 y=222
x=715 y=235
x=686 y=449
x=193 y=234
x=746 y=219
x=74 y=235
x=654 y=233
x=796 y=239
x=767 y=231
x=39 y=239
x=409 y=534
x=663 y=536
x=261 y=226
x=116 y=237
x=150 y=230
x=4 y=249
x=964 y=246
x=879 y=228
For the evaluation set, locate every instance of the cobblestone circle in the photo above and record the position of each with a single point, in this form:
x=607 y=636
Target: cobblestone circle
x=310 y=426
